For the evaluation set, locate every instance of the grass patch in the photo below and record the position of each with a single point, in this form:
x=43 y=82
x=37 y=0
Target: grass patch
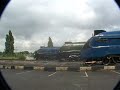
x=13 y=57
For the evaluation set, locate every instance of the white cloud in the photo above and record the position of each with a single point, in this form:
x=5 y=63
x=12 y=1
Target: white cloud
x=32 y=22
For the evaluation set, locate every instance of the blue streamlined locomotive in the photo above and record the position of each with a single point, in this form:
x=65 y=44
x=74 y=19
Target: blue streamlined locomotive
x=104 y=47
x=46 y=53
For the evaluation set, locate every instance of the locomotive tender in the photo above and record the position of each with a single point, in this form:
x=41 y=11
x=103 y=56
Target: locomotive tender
x=104 y=47
x=70 y=51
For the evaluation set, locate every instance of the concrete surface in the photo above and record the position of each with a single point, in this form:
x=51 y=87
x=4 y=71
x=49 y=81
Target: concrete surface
x=86 y=80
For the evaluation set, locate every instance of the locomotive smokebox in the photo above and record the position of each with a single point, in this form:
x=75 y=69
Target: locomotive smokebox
x=96 y=32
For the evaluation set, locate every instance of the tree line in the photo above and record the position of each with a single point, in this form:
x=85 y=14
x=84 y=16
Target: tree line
x=9 y=43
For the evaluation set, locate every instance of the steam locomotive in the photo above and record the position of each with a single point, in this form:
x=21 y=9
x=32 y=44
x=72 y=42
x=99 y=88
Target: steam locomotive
x=103 y=46
x=47 y=53
x=70 y=51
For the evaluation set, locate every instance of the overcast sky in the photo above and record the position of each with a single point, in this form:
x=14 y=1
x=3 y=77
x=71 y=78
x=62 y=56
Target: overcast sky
x=33 y=21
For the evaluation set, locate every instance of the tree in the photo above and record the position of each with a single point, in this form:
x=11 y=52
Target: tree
x=11 y=38
x=9 y=44
x=50 y=43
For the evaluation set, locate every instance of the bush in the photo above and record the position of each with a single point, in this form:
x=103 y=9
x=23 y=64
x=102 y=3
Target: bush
x=15 y=56
x=22 y=57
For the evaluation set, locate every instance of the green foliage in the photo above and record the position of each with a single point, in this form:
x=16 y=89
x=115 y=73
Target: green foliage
x=21 y=57
x=1 y=53
x=15 y=56
x=50 y=43
x=8 y=58
x=9 y=44
x=24 y=52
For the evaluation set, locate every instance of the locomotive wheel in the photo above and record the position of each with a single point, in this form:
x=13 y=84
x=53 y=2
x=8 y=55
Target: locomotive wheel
x=114 y=60
x=106 y=61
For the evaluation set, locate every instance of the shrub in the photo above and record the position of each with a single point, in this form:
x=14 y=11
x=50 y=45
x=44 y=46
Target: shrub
x=22 y=57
